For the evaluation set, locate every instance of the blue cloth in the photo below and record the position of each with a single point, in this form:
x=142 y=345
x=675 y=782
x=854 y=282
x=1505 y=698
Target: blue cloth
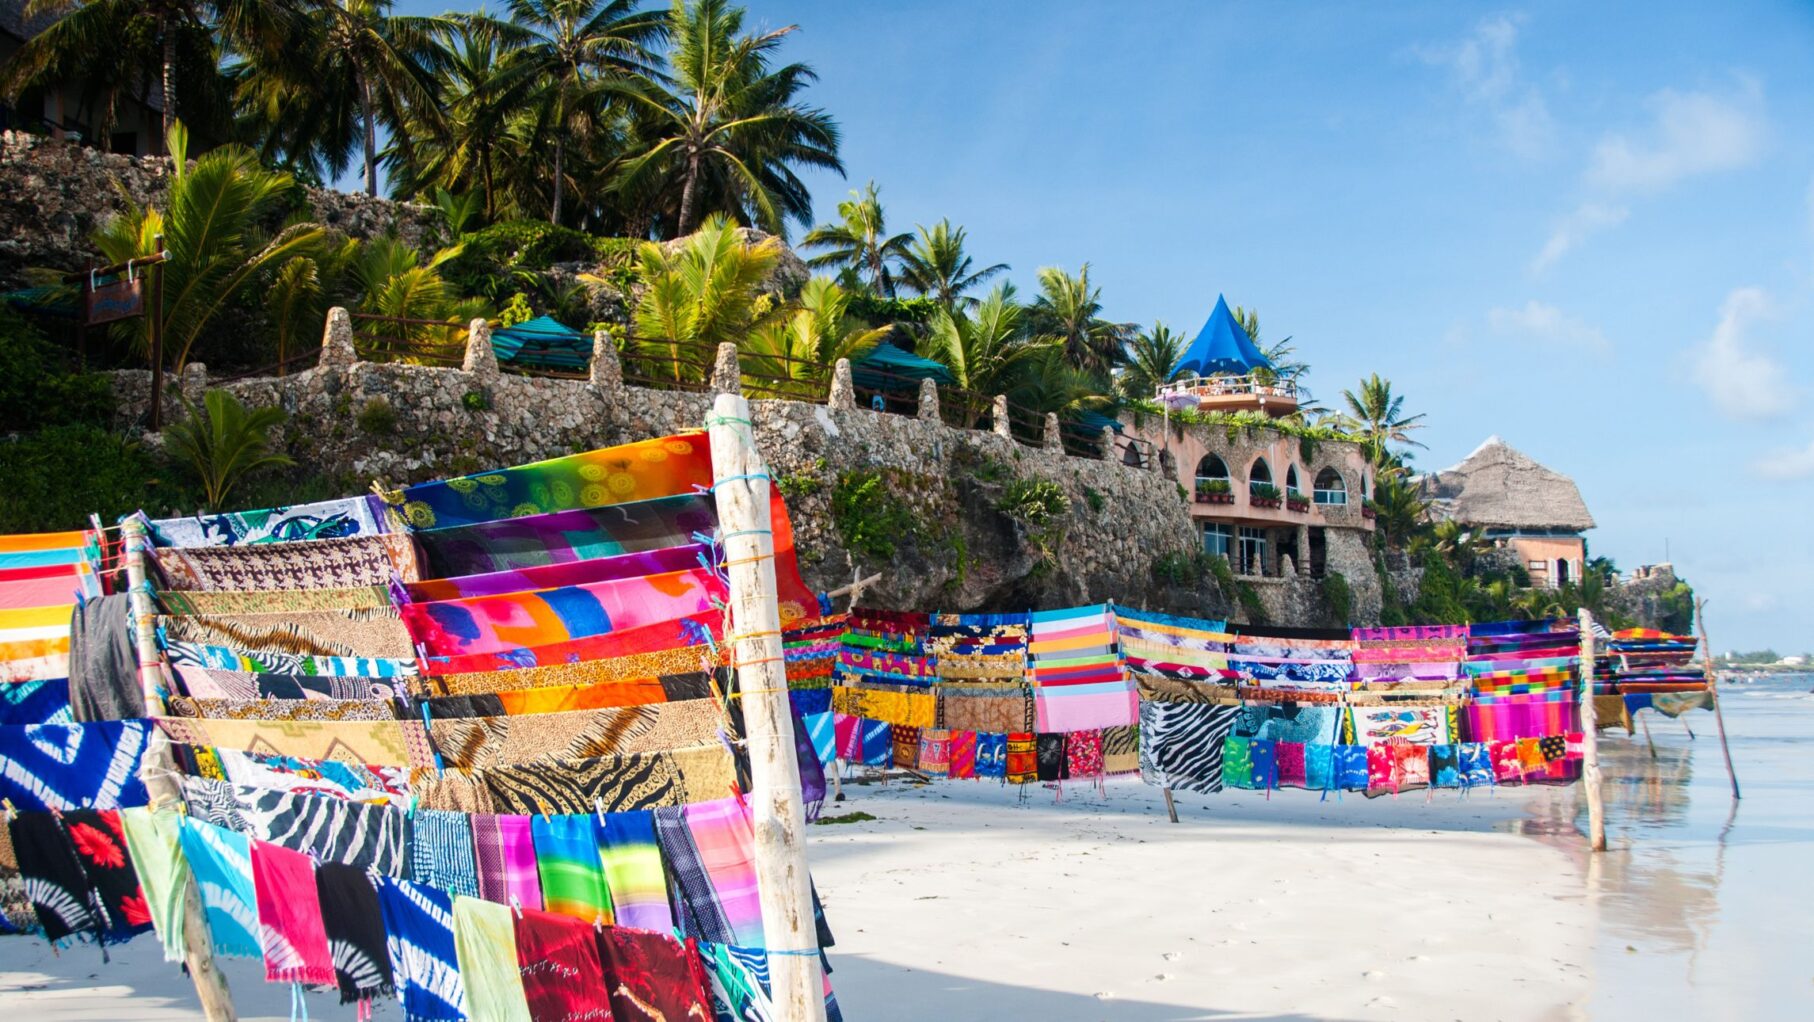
x=991 y=755
x=878 y=742
x=821 y=729
x=1476 y=765
x=221 y=861
x=1319 y=767
x=811 y=701
x=35 y=702
x=1222 y=346
x=441 y=853
x=1265 y=763
x=418 y=933
x=1351 y=767
x=73 y=766
x=1445 y=766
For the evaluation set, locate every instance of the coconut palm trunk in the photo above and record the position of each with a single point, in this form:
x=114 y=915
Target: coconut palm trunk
x=169 y=76
x=687 y=194
x=371 y=136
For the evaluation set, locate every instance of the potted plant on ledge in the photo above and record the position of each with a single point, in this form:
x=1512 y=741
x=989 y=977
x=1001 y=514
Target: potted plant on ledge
x=1214 y=491
x=1368 y=509
x=1263 y=495
x=1296 y=501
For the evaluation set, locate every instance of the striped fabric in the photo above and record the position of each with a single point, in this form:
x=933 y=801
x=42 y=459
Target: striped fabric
x=633 y=871
x=1076 y=670
x=567 y=860
x=722 y=833
x=418 y=932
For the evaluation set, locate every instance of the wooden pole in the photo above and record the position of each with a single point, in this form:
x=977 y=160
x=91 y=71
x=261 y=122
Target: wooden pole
x=159 y=771
x=1171 y=808
x=741 y=488
x=1713 y=690
x=155 y=309
x=1648 y=740
x=1590 y=741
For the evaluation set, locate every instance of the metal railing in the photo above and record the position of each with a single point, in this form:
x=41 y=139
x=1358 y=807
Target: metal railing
x=1251 y=385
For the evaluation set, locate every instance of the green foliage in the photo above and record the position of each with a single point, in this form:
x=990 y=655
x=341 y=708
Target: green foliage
x=868 y=517
x=223 y=441
x=1263 y=491
x=59 y=475
x=510 y=256
x=1238 y=589
x=879 y=311
x=1339 y=595
x=475 y=401
x=705 y=292
x=1235 y=424
x=1184 y=567
x=937 y=266
x=799 y=484
x=377 y=418
x=1035 y=503
x=36 y=391
x=860 y=242
x=1676 y=610
x=1093 y=498
x=1442 y=596
x=1212 y=487
x=516 y=310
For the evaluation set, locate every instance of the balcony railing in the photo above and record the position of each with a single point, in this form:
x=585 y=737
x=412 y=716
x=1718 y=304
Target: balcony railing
x=1200 y=389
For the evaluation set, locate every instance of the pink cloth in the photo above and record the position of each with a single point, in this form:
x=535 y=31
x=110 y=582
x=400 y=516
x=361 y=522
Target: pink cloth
x=290 y=931
x=727 y=850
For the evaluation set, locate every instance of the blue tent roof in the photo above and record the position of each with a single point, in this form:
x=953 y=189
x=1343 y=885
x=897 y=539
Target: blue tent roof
x=889 y=368
x=1222 y=346
x=543 y=341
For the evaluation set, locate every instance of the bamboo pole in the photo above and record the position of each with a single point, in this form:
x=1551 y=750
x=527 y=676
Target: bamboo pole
x=159 y=772
x=741 y=488
x=1713 y=689
x=1590 y=741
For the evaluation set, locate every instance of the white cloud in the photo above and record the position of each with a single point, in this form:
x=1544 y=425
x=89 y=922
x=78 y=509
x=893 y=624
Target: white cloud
x=1741 y=382
x=1587 y=219
x=1485 y=67
x=1691 y=133
x=1788 y=463
x=1541 y=322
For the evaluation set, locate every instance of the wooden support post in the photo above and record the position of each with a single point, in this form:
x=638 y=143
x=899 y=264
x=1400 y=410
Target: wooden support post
x=1171 y=808
x=1647 y=739
x=159 y=771
x=741 y=488
x=1590 y=750
x=1713 y=690
x=155 y=309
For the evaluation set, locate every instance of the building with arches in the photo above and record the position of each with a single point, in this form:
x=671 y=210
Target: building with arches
x=1534 y=512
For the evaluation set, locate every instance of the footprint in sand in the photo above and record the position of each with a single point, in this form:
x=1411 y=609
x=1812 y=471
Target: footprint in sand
x=1373 y=974
x=1171 y=956
x=1104 y=995
x=1162 y=976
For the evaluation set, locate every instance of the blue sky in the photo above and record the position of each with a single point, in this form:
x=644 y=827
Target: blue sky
x=1586 y=228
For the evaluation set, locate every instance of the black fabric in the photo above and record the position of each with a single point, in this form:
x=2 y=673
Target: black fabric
x=103 y=665
x=100 y=846
x=694 y=685
x=54 y=880
x=448 y=707
x=1050 y=749
x=355 y=927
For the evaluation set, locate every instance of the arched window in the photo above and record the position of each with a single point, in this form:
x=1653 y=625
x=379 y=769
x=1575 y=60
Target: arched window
x=1291 y=481
x=1330 y=487
x=1132 y=457
x=1260 y=475
x=1562 y=567
x=1211 y=469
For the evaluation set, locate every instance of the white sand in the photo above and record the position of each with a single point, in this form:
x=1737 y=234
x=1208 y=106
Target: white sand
x=960 y=902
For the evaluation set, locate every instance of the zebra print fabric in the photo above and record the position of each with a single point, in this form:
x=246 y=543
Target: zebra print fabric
x=1181 y=744
x=333 y=830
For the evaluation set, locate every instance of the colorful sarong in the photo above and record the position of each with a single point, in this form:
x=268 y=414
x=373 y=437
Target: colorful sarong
x=567 y=860
x=504 y=854
x=722 y=833
x=152 y=839
x=633 y=872
x=354 y=921
x=221 y=862
x=557 y=960
x=418 y=932
x=47 y=767
x=485 y=945
x=290 y=931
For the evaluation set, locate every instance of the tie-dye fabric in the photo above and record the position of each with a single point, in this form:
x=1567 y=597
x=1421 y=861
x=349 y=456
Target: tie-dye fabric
x=327 y=519
x=1445 y=766
x=290 y=932
x=490 y=624
x=569 y=573
x=821 y=729
x=1319 y=767
x=877 y=743
x=1237 y=762
x=418 y=933
x=71 y=766
x=563 y=979
x=220 y=860
x=1351 y=767
x=567 y=859
x=55 y=883
x=24 y=703
x=633 y=871
x=652 y=975
x=354 y=921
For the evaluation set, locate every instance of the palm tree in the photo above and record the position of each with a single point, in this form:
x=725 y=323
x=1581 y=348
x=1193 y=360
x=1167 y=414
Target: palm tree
x=1379 y=416
x=210 y=230
x=805 y=341
x=393 y=281
x=1069 y=310
x=301 y=290
x=118 y=47
x=1282 y=354
x=1048 y=382
x=223 y=441
x=700 y=293
x=983 y=347
x=937 y=266
x=730 y=131
x=577 y=50
x=1152 y=361
x=1459 y=545
x=861 y=241
x=1400 y=509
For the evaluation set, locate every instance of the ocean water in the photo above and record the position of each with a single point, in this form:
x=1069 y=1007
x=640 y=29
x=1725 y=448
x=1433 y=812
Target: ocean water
x=1705 y=905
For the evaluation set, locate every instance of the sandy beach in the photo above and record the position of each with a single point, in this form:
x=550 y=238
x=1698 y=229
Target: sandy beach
x=963 y=900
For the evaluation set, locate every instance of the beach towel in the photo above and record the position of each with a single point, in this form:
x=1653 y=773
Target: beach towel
x=1351 y=767
x=992 y=755
x=557 y=959
x=633 y=871
x=368 y=560
x=569 y=573
x=152 y=839
x=418 y=934
x=1420 y=725
x=567 y=860
x=35 y=702
x=1508 y=768
x=1319 y=767
x=490 y=624
x=326 y=519
x=485 y=946
x=689 y=887
x=290 y=931
x=906 y=746
x=504 y=854
x=1181 y=744
x=59 y=889
x=821 y=731
x=1237 y=762
x=963 y=755
x=67 y=766
x=878 y=743
x=1083 y=754
x=1023 y=761
x=220 y=860
x=353 y=920
x=847 y=732
x=652 y=976
x=441 y=855
x=1292 y=770
x=641 y=780
x=1445 y=766
x=1476 y=765
x=722 y=833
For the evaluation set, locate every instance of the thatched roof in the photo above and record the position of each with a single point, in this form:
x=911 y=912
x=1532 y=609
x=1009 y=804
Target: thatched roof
x=1497 y=486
